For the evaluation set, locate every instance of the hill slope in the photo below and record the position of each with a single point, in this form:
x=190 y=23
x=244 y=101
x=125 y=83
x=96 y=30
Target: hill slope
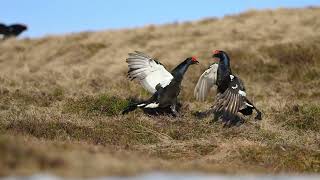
x=60 y=99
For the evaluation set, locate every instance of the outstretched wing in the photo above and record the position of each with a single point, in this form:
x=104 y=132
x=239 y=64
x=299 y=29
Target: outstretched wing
x=227 y=104
x=206 y=81
x=147 y=71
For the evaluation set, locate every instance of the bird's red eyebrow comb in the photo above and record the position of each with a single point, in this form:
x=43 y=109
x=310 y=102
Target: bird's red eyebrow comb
x=215 y=51
x=193 y=58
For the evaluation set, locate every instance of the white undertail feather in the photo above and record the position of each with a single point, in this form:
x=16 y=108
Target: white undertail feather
x=206 y=81
x=249 y=104
x=152 y=105
x=147 y=71
x=242 y=93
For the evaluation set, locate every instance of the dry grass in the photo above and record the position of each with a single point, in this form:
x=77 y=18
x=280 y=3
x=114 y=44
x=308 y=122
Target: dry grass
x=60 y=99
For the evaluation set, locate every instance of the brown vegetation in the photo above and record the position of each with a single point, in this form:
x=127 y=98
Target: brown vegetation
x=60 y=99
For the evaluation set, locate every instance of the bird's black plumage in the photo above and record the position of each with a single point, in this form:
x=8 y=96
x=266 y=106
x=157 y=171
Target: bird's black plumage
x=231 y=94
x=166 y=93
x=12 y=30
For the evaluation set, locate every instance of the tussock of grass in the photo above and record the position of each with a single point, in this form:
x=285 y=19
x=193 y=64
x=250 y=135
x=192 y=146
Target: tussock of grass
x=96 y=105
x=301 y=117
x=94 y=48
x=311 y=74
x=186 y=130
x=280 y=158
x=184 y=151
x=302 y=53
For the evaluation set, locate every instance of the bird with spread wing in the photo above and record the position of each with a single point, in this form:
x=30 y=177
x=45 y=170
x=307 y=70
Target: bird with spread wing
x=154 y=77
x=231 y=100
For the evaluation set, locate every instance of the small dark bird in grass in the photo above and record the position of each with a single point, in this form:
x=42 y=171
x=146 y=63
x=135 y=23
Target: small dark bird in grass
x=231 y=94
x=154 y=77
x=12 y=30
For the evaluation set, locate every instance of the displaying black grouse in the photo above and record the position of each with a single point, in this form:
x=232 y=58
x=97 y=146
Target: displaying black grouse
x=12 y=30
x=231 y=94
x=153 y=76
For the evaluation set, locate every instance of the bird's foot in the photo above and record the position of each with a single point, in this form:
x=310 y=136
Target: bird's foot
x=239 y=123
x=259 y=116
x=203 y=114
x=227 y=124
x=175 y=114
x=233 y=122
x=199 y=114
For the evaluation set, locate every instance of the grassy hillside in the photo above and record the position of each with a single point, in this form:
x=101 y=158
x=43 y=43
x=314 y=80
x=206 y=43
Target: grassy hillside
x=60 y=98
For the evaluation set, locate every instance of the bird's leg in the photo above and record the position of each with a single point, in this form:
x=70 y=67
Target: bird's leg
x=216 y=116
x=238 y=120
x=259 y=116
x=204 y=114
x=174 y=110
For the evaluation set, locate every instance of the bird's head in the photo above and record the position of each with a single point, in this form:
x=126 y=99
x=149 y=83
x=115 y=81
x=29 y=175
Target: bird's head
x=218 y=55
x=24 y=27
x=192 y=60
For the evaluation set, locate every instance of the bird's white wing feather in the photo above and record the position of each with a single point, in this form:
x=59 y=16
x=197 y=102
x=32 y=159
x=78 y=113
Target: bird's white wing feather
x=206 y=81
x=147 y=71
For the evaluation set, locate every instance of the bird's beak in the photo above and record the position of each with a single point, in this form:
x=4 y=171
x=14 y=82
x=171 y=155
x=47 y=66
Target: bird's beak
x=194 y=62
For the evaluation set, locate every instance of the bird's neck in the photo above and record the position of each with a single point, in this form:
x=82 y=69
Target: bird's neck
x=224 y=66
x=180 y=70
x=223 y=74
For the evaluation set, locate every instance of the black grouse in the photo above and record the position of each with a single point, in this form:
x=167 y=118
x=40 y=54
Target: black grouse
x=231 y=94
x=12 y=30
x=153 y=76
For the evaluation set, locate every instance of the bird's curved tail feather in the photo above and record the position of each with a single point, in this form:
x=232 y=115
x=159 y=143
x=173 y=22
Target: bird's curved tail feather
x=132 y=107
x=129 y=108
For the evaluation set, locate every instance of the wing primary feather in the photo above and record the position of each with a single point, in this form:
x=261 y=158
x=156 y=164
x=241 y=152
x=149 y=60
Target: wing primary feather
x=147 y=71
x=206 y=81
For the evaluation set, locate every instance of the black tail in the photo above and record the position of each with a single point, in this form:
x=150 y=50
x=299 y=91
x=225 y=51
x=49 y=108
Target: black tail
x=248 y=111
x=133 y=106
x=129 y=108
